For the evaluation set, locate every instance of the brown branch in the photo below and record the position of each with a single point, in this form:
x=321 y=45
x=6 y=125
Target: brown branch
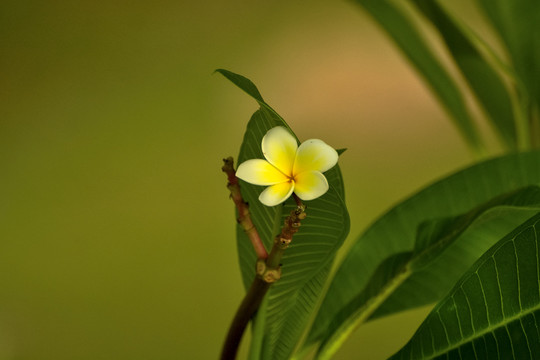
x=245 y=312
x=268 y=268
x=244 y=217
x=283 y=240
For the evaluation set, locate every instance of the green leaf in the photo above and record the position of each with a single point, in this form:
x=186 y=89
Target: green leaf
x=435 y=236
x=395 y=233
x=483 y=80
x=517 y=22
x=249 y=88
x=493 y=312
x=441 y=253
x=245 y=84
x=306 y=262
x=405 y=35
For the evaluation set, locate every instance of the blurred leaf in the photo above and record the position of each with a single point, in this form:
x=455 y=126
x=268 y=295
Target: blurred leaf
x=290 y=301
x=402 y=31
x=517 y=23
x=435 y=236
x=484 y=81
x=443 y=250
x=493 y=312
x=395 y=232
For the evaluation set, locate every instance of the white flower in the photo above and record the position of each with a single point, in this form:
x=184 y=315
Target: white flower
x=289 y=168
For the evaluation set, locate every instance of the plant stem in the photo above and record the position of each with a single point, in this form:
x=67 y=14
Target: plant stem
x=283 y=240
x=245 y=312
x=268 y=268
x=244 y=217
x=267 y=272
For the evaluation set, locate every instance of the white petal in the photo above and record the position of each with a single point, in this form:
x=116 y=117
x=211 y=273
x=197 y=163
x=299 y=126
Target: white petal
x=310 y=185
x=279 y=148
x=276 y=194
x=314 y=155
x=259 y=172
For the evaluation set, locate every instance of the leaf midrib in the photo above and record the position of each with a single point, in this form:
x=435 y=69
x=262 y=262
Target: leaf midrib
x=362 y=314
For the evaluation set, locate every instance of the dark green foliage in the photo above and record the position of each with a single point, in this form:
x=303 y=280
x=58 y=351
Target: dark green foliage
x=493 y=312
x=404 y=230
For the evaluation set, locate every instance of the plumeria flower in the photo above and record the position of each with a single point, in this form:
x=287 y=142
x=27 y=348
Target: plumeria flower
x=289 y=168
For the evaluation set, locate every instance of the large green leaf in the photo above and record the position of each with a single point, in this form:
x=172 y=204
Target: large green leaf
x=290 y=301
x=395 y=232
x=517 y=22
x=405 y=35
x=493 y=312
x=444 y=248
x=483 y=80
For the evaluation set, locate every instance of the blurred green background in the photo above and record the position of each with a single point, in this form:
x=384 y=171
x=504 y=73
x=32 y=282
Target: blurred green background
x=116 y=231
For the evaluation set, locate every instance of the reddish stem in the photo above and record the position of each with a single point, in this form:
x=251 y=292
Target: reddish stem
x=268 y=268
x=244 y=217
x=298 y=201
x=266 y=275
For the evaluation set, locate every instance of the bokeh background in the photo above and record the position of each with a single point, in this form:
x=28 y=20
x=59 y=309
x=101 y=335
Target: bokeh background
x=116 y=231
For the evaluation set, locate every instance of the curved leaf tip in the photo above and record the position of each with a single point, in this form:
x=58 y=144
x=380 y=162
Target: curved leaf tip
x=243 y=83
